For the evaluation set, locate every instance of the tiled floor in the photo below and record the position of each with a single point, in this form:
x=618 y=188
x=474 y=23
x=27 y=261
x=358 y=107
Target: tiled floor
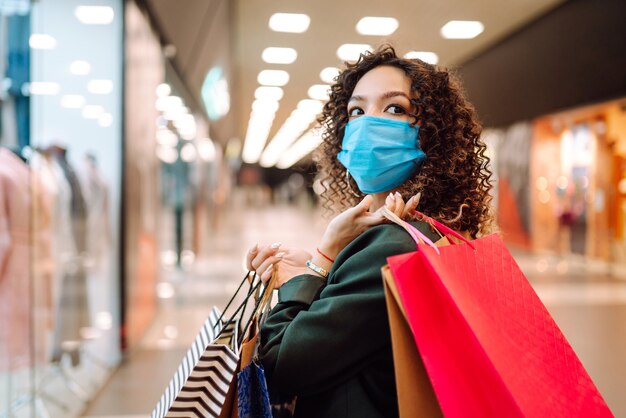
x=588 y=304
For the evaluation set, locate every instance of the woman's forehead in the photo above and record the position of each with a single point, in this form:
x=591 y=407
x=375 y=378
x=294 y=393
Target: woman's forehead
x=382 y=79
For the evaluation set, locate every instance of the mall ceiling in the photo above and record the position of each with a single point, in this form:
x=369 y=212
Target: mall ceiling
x=190 y=27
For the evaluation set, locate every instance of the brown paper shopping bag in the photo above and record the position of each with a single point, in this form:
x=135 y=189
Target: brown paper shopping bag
x=416 y=397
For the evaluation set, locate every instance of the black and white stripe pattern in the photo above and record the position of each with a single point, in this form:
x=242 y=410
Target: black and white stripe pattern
x=199 y=387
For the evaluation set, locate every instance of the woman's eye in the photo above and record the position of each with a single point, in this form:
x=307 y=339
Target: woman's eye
x=355 y=111
x=396 y=110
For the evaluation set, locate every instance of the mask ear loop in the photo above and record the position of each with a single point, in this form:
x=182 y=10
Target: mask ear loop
x=350 y=186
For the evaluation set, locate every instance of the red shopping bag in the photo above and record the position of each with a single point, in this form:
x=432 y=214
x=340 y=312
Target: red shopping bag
x=490 y=347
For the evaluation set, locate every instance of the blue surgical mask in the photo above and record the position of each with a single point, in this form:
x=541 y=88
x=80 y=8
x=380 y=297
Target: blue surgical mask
x=380 y=153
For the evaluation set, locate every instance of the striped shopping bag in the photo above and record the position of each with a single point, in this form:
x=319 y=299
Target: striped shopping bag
x=202 y=381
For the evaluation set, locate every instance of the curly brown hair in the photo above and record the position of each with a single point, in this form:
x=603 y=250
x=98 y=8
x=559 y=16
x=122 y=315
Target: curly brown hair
x=455 y=173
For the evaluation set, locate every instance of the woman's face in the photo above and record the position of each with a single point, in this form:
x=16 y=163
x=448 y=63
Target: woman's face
x=385 y=92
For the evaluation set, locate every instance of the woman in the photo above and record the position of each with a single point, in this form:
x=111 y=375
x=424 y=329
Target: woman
x=393 y=128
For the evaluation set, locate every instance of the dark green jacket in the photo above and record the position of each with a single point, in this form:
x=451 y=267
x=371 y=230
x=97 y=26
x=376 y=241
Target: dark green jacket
x=329 y=344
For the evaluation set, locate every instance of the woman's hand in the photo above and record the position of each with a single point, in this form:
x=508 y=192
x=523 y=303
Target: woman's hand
x=287 y=262
x=396 y=204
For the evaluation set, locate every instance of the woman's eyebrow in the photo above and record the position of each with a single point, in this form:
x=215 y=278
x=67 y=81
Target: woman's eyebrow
x=391 y=94
x=386 y=95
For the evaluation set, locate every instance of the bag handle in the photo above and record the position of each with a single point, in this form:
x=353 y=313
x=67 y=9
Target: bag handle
x=241 y=307
x=446 y=230
x=262 y=304
x=415 y=233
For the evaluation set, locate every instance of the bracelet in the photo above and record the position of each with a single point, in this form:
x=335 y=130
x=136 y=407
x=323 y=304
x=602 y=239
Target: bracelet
x=324 y=255
x=317 y=269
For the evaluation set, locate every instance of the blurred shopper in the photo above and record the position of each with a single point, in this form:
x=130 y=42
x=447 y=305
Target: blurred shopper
x=393 y=128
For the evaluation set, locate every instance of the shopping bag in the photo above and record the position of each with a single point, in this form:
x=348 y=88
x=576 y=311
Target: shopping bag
x=488 y=344
x=205 y=378
x=416 y=397
x=253 y=398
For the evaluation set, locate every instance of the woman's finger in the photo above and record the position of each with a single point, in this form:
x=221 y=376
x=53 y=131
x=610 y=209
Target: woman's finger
x=269 y=261
x=363 y=205
x=263 y=254
x=399 y=204
x=267 y=274
x=250 y=256
x=410 y=206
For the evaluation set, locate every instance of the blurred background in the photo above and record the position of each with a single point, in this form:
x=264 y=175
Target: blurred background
x=146 y=144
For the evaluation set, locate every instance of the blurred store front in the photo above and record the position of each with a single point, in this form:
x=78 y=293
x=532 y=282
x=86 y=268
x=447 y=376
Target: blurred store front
x=62 y=121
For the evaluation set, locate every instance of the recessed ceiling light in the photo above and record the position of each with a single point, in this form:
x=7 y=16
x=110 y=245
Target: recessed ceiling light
x=426 y=56
x=462 y=29
x=94 y=15
x=44 y=88
x=163 y=90
x=72 y=101
x=92 y=112
x=273 y=78
x=275 y=55
x=319 y=91
x=351 y=52
x=262 y=106
x=80 y=67
x=105 y=120
x=268 y=93
x=100 y=86
x=42 y=41
x=310 y=106
x=373 y=25
x=289 y=22
x=328 y=74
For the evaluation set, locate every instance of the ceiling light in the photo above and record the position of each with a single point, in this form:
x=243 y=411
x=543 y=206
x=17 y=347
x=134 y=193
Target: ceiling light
x=256 y=136
x=94 y=15
x=206 y=150
x=462 y=29
x=163 y=90
x=329 y=74
x=381 y=26
x=289 y=22
x=100 y=86
x=303 y=147
x=167 y=154
x=105 y=120
x=426 y=56
x=351 y=52
x=319 y=91
x=92 y=112
x=261 y=106
x=274 y=55
x=268 y=93
x=273 y=77
x=80 y=67
x=188 y=153
x=44 y=88
x=166 y=137
x=311 y=106
x=72 y=101
x=42 y=41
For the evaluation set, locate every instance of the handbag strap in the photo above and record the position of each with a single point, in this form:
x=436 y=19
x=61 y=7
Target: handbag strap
x=260 y=306
x=446 y=230
x=415 y=233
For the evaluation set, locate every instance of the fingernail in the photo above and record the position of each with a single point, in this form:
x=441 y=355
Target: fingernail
x=398 y=195
x=391 y=196
x=276 y=245
x=254 y=249
x=280 y=254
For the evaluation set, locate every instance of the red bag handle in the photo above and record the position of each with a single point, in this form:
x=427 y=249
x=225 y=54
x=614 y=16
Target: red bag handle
x=442 y=228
